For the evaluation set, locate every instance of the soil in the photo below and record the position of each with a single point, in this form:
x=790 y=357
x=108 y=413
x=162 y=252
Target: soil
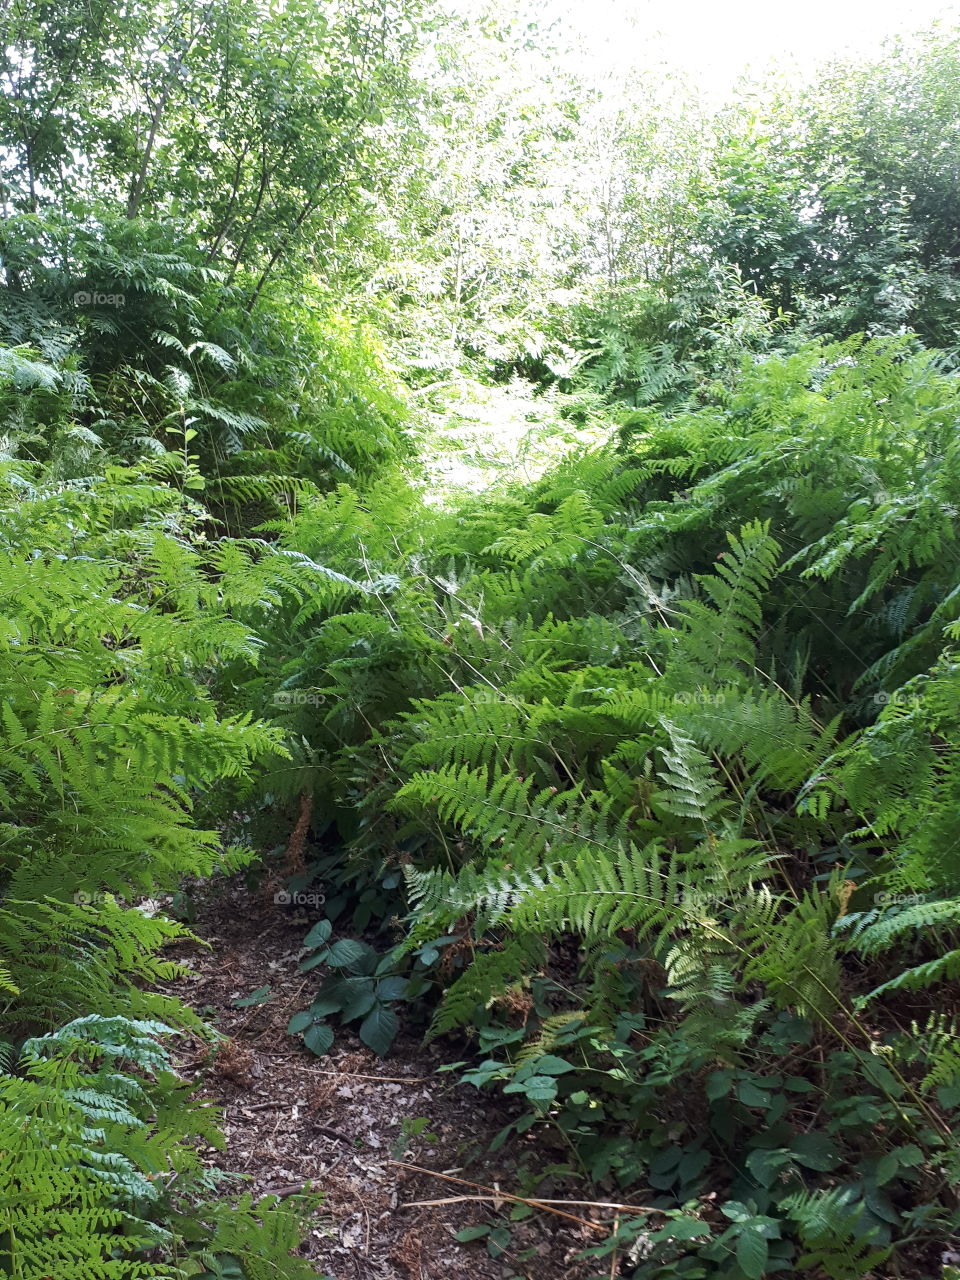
x=337 y=1121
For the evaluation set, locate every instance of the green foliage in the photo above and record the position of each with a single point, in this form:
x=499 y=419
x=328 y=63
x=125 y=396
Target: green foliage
x=110 y=616
x=114 y=614
x=362 y=988
x=606 y=712
x=252 y=128
x=100 y=1174
x=645 y=772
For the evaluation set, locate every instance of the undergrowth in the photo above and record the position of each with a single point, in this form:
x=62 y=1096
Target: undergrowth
x=688 y=705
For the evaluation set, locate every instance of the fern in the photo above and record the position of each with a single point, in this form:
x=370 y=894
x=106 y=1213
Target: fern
x=79 y=1156
x=108 y=731
x=94 y=1126
x=719 y=638
x=490 y=978
x=827 y=1223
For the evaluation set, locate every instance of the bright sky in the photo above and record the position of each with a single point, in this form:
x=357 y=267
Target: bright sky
x=714 y=42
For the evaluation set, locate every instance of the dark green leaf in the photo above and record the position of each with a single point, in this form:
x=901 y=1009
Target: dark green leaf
x=392 y=988
x=471 y=1233
x=348 y=953
x=379 y=1029
x=815 y=1151
x=260 y=996
x=752 y=1250
x=319 y=934
x=318 y=1038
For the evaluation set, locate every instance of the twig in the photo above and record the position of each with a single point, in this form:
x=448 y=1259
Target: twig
x=332 y=1133
x=358 y=1075
x=499 y=1195
x=366 y=1247
x=613 y=1256
x=286 y=1005
x=279 y=1106
x=491 y=1193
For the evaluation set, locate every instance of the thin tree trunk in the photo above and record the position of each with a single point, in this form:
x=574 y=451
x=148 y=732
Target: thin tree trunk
x=139 y=179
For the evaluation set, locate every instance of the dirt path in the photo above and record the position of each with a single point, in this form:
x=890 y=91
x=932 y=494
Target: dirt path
x=338 y=1121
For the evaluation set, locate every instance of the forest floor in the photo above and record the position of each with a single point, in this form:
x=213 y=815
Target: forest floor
x=345 y=1122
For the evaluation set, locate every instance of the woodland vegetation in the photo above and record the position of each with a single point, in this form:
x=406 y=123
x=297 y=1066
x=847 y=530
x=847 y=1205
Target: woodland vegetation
x=636 y=780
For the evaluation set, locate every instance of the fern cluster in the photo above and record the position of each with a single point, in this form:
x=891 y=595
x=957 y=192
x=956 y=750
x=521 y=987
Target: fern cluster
x=116 y=612
x=101 y=1176
x=689 y=701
